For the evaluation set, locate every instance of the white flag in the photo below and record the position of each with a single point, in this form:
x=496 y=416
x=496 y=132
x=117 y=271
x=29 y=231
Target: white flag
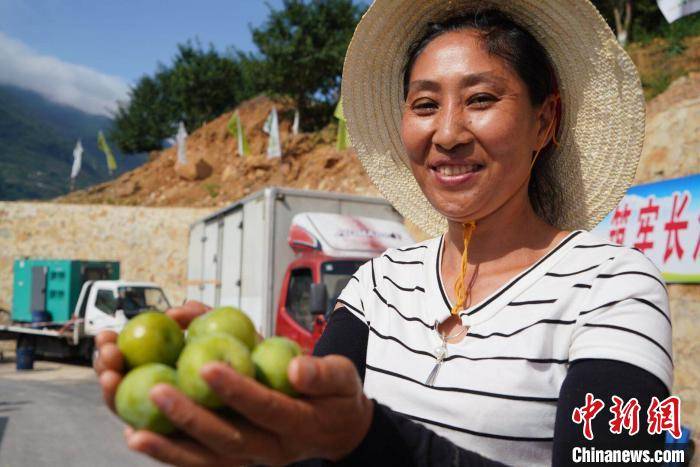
x=181 y=139
x=676 y=9
x=295 y=125
x=77 y=159
x=271 y=127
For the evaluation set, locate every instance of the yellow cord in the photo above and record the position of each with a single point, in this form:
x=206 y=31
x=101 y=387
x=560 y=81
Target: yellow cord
x=460 y=290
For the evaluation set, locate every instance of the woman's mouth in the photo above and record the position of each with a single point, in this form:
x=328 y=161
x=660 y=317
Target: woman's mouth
x=452 y=175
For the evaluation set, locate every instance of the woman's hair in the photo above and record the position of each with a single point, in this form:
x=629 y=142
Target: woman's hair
x=505 y=39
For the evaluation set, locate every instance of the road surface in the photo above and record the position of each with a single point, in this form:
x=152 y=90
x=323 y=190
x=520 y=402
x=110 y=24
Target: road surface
x=53 y=416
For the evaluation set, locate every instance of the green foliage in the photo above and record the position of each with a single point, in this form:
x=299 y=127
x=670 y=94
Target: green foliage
x=212 y=189
x=648 y=22
x=146 y=120
x=655 y=85
x=302 y=47
x=196 y=87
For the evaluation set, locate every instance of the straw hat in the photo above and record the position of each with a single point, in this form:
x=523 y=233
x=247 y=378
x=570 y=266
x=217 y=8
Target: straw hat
x=602 y=126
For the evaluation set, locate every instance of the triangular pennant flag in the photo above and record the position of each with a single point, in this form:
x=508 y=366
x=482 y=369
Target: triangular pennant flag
x=235 y=127
x=343 y=140
x=676 y=9
x=295 y=125
x=77 y=160
x=271 y=127
x=181 y=139
x=102 y=144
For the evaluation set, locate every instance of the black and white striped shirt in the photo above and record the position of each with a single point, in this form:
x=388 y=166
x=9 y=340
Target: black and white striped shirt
x=497 y=390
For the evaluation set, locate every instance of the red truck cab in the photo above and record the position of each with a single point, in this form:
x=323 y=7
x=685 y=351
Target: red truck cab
x=329 y=249
x=296 y=318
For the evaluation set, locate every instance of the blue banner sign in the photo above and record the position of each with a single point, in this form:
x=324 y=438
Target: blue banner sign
x=662 y=220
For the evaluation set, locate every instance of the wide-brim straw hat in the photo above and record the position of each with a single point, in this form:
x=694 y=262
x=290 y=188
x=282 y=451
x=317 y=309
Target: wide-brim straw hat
x=602 y=124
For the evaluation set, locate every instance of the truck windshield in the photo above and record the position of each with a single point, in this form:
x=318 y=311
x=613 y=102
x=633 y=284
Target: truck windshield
x=137 y=299
x=336 y=274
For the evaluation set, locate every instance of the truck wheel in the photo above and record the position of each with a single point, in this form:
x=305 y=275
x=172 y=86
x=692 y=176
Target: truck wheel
x=88 y=352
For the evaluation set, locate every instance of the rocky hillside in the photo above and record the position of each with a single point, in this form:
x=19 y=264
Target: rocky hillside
x=216 y=175
x=672 y=144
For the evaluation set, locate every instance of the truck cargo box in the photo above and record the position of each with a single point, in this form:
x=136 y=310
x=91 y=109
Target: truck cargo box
x=238 y=256
x=53 y=285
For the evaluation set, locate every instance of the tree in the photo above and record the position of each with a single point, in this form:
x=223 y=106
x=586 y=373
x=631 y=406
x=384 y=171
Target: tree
x=631 y=19
x=198 y=86
x=303 y=46
x=146 y=119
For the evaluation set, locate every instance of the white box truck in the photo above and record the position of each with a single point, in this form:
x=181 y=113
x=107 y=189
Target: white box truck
x=283 y=255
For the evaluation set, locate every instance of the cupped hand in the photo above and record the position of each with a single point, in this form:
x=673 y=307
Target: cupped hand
x=109 y=364
x=328 y=421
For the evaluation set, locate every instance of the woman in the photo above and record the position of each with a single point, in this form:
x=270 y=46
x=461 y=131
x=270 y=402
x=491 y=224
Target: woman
x=507 y=130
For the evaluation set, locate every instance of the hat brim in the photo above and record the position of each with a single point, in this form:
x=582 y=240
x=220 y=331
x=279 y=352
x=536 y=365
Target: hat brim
x=602 y=127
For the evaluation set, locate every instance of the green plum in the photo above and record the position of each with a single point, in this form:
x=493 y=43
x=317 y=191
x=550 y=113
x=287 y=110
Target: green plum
x=151 y=337
x=227 y=320
x=210 y=348
x=132 y=401
x=271 y=358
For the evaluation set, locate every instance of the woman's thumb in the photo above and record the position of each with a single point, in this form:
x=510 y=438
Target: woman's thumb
x=333 y=375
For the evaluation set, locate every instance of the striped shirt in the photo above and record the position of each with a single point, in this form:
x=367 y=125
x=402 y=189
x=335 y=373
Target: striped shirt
x=496 y=391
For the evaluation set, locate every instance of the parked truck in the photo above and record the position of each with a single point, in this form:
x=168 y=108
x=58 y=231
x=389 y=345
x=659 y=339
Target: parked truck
x=60 y=305
x=284 y=255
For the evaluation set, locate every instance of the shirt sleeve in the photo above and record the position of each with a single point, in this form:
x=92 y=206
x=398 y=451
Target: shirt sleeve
x=353 y=295
x=626 y=317
x=604 y=379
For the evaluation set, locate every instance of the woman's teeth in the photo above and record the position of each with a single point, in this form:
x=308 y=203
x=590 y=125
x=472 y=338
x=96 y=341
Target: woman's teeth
x=453 y=170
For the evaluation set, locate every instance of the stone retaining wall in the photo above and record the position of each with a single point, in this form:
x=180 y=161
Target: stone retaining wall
x=150 y=243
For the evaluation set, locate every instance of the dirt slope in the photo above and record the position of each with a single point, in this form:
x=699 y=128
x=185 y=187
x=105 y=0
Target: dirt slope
x=309 y=161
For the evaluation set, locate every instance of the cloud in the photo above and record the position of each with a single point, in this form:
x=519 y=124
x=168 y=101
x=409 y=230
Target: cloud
x=61 y=82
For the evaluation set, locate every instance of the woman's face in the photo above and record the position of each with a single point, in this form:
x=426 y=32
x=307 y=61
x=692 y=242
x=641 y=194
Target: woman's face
x=469 y=128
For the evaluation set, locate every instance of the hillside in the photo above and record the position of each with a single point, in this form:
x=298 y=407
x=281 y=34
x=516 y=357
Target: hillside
x=671 y=81
x=309 y=161
x=37 y=138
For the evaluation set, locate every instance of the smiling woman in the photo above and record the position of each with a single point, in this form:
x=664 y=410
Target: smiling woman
x=495 y=71
x=504 y=131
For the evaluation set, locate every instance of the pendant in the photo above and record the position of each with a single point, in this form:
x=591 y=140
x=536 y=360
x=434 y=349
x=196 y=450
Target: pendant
x=440 y=354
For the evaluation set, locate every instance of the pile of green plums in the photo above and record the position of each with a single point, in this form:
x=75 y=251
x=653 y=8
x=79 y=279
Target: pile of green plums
x=156 y=350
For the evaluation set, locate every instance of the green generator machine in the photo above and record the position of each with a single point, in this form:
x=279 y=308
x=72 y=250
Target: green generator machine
x=53 y=286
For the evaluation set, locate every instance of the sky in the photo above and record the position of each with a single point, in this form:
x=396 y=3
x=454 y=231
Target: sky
x=86 y=53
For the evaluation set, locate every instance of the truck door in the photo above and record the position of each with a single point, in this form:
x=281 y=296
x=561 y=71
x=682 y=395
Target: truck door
x=210 y=267
x=101 y=312
x=295 y=320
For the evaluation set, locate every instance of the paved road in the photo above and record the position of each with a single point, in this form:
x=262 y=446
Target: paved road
x=54 y=416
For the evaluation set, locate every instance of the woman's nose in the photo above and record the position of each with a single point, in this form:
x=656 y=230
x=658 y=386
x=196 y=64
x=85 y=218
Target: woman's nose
x=452 y=129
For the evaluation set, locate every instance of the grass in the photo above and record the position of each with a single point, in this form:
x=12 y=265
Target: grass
x=212 y=188
x=655 y=85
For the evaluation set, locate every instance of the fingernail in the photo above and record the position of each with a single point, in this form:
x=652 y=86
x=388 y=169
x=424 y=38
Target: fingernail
x=163 y=401
x=305 y=370
x=213 y=374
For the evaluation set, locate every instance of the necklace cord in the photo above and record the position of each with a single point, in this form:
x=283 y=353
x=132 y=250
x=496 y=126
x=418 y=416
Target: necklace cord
x=460 y=289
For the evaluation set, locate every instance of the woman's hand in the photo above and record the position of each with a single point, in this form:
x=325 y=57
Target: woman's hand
x=329 y=420
x=109 y=364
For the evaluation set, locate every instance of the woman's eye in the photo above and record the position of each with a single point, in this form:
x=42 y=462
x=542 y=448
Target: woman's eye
x=424 y=107
x=481 y=100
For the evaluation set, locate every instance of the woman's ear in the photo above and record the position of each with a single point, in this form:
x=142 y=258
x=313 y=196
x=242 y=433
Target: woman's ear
x=547 y=121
